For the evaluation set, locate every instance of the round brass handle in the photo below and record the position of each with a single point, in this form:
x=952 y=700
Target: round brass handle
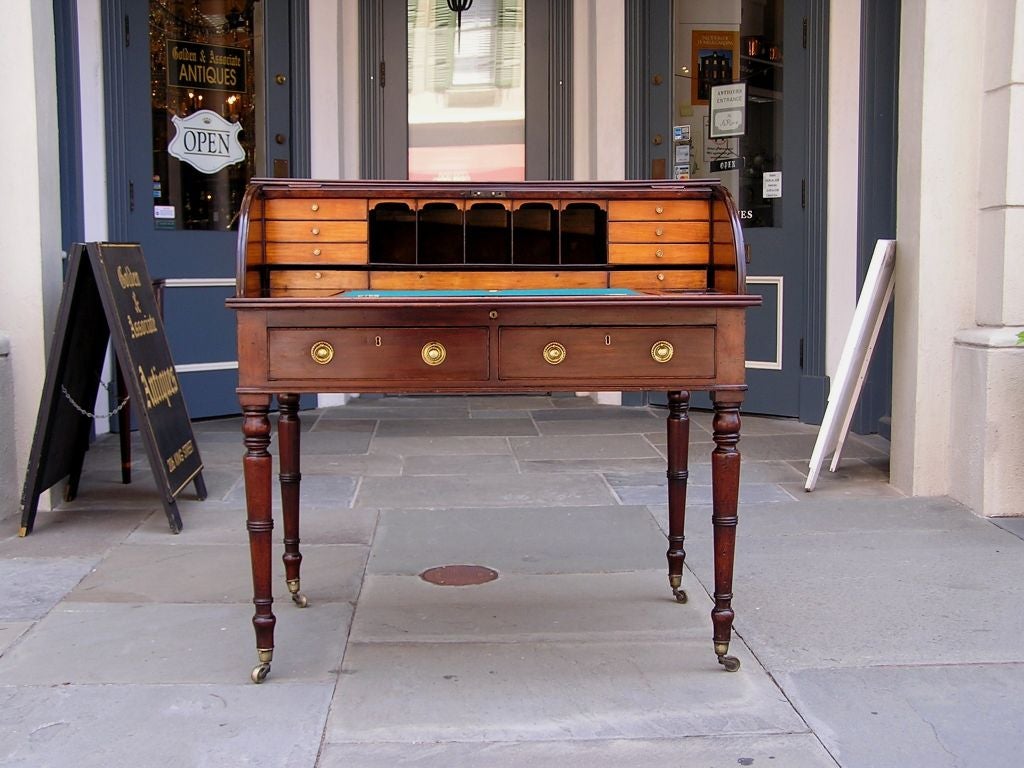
x=322 y=352
x=315 y=230
x=662 y=351
x=659 y=232
x=554 y=353
x=433 y=353
x=659 y=210
x=318 y=275
x=315 y=207
x=659 y=253
x=316 y=251
x=661 y=276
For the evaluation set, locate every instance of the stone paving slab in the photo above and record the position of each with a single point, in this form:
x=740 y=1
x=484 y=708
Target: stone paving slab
x=160 y=726
x=867 y=597
x=439 y=446
x=581 y=447
x=216 y=573
x=154 y=643
x=596 y=426
x=456 y=427
x=315 y=490
x=750 y=493
x=570 y=464
x=75 y=532
x=1014 y=525
x=463 y=465
x=10 y=631
x=551 y=691
x=529 y=608
x=208 y=522
x=955 y=716
x=31 y=586
x=641 y=417
x=786 y=751
x=532 y=539
x=497 y=490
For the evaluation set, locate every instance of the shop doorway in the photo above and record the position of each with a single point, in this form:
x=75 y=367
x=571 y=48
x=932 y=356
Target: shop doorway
x=739 y=106
x=485 y=95
x=200 y=99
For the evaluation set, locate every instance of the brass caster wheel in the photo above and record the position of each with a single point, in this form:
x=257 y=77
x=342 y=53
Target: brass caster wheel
x=300 y=600
x=731 y=663
x=260 y=672
x=680 y=595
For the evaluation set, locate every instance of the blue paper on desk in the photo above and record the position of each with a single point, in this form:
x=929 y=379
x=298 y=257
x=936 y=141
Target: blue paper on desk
x=496 y=292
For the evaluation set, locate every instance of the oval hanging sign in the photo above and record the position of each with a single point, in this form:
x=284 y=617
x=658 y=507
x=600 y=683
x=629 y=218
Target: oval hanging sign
x=206 y=141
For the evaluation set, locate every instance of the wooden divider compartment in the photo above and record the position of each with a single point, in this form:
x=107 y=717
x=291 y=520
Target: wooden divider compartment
x=340 y=236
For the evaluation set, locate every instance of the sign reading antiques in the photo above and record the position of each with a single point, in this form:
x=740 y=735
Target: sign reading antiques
x=200 y=66
x=108 y=295
x=206 y=141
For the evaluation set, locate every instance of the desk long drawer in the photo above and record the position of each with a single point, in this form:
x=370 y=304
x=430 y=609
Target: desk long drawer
x=605 y=352
x=410 y=354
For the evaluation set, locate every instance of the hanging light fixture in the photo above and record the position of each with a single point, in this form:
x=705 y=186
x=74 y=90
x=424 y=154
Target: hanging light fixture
x=457 y=7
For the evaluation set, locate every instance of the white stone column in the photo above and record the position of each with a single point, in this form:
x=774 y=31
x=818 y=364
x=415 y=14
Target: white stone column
x=941 y=49
x=30 y=247
x=987 y=436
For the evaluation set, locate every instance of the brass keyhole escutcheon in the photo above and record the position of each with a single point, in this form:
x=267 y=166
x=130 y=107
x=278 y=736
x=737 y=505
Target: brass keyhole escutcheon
x=554 y=353
x=433 y=353
x=493 y=314
x=322 y=352
x=662 y=351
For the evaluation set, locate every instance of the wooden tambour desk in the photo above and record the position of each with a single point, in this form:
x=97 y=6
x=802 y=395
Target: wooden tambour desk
x=408 y=287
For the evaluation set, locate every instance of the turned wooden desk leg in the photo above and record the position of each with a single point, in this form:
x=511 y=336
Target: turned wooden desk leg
x=260 y=523
x=678 y=426
x=725 y=479
x=288 y=443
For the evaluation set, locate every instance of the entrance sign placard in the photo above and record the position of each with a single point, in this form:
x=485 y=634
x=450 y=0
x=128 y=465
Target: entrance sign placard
x=728 y=110
x=206 y=141
x=108 y=295
x=853 y=364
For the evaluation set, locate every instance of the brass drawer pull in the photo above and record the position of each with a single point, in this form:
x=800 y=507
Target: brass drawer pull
x=317 y=275
x=315 y=207
x=322 y=353
x=316 y=251
x=554 y=353
x=659 y=210
x=315 y=230
x=659 y=253
x=433 y=353
x=661 y=276
x=659 y=232
x=662 y=351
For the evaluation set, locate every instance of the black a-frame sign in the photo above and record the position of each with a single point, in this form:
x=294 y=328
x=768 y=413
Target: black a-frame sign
x=108 y=295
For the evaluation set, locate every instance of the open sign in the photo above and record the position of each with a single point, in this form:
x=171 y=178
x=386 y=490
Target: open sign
x=206 y=141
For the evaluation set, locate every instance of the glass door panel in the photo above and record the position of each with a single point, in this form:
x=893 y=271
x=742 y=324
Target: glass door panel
x=467 y=96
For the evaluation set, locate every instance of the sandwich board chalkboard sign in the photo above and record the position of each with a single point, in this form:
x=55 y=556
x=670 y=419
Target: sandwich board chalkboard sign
x=108 y=295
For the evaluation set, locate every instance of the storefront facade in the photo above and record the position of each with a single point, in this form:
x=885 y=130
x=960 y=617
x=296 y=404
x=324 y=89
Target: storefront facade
x=847 y=135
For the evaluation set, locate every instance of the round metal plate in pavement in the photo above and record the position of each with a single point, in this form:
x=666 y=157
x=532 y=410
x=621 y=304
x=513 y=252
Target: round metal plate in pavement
x=459 y=575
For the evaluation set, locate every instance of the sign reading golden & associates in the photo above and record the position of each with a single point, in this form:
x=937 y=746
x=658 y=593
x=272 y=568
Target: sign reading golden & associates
x=201 y=66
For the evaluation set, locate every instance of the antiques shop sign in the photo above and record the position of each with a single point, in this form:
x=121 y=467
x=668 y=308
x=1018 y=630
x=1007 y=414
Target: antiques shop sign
x=205 y=67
